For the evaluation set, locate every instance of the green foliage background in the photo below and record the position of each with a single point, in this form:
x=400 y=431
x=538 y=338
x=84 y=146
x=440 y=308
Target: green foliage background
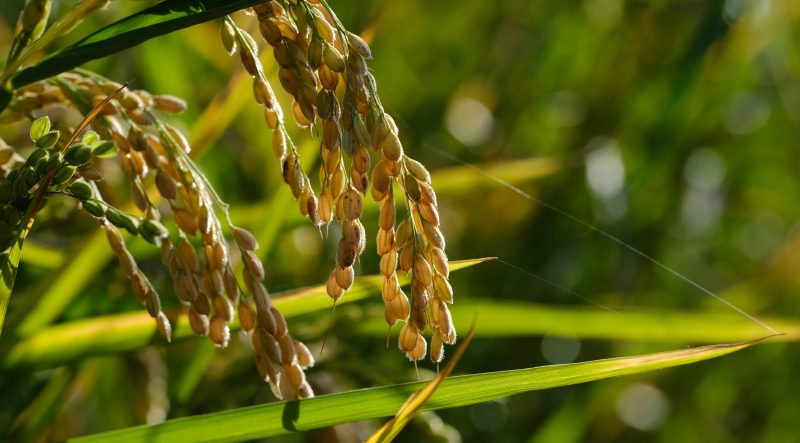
x=699 y=100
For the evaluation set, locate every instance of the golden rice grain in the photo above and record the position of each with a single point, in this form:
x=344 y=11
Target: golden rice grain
x=437 y=347
x=328 y=77
x=385 y=241
x=392 y=149
x=185 y=288
x=443 y=288
x=281 y=328
x=388 y=263
x=388 y=315
x=114 y=238
x=228 y=37
x=199 y=322
x=185 y=220
x=218 y=332
x=400 y=305
x=387 y=214
x=332 y=287
x=345 y=254
x=270 y=31
x=408 y=338
x=201 y=303
x=127 y=263
x=245 y=239
x=295 y=374
x=253 y=264
x=433 y=234
x=164 y=327
x=344 y=277
x=352 y=204
x=169 y=104
x=407 y=258
x=304 y=357
x=389 y=287
x=246 y=316
x=152 y=303
x=188 y=255
x=166 y=186
x=418 y=353
x=267 y=321
x=359 y=45
x=429 y=212
x=288 y=353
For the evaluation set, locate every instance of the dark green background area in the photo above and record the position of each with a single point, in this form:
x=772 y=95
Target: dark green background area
x=693 y=105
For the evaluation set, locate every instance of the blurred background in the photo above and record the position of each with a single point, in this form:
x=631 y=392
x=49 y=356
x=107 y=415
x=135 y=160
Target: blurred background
x=673 y=125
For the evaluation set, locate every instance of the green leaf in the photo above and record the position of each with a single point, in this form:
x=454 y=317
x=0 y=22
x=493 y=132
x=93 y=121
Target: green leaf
x=41 y=411
x=90 y=138
x=39 y=128
x=126 y=332
x=45 y=257
x=511 y=318
x=163 y=18
x=328 y=410
x=8 y=270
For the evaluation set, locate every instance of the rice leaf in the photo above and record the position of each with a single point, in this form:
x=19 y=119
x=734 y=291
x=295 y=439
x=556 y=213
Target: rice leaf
x=163 y=18
x=8 y=272
x=126 y=332
x=514 y=318
x=299 y=415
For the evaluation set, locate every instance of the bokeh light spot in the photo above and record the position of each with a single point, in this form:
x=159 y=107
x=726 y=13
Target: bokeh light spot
x=470 y=121
x=642 y=406
x=560 y=349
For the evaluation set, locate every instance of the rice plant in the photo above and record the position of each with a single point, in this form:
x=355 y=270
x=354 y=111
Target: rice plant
x=89 y=151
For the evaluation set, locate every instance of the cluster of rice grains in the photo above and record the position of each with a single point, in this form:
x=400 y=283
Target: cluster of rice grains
x=149 y=146
x=323 y=67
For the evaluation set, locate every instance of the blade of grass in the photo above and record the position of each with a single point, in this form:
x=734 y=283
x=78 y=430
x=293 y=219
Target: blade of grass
x=8 y=273
x=126 y=332
x=327 y=410
x=42 y=256
x=193 y=371
x=163 y=18
x=509 y=318
x=39 y=413
x=389 y=431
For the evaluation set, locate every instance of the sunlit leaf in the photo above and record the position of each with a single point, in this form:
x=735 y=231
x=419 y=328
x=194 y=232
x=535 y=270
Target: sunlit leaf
x=512 y=318
x=163 y=18
x=327 y=410
x=8 y=272
x=125 y=332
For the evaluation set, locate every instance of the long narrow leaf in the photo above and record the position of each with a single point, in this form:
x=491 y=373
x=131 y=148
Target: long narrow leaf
x=8 y=273
x=163 y=18
x=327 y=410
x=509 y=318
x=125 y=332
